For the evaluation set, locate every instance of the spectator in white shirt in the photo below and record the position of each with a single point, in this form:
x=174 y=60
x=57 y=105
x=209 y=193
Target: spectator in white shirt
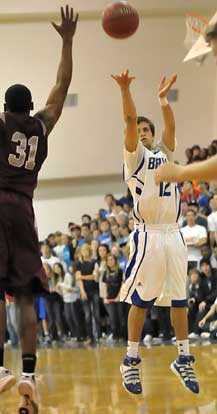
x=58 y=249
x=213 y=259
x=195 y=236
x=212 y=220
x=47 y=256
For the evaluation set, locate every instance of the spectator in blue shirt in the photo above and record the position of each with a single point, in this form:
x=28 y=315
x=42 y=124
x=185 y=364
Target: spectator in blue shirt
x=204 y=195
x=86 y=236
x=105 y=236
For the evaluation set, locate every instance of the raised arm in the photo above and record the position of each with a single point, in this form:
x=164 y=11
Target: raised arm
x=54 y=105
x=203 y=170
x=168 y=136
x=129 y=110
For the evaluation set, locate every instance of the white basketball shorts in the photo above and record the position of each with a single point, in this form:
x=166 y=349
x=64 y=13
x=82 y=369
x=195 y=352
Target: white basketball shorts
x=157 y=267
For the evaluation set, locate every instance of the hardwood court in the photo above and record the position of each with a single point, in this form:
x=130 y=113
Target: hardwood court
x=87 y=381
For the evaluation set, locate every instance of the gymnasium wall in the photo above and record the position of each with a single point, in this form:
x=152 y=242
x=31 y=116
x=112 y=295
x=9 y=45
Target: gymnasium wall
x=87 y=141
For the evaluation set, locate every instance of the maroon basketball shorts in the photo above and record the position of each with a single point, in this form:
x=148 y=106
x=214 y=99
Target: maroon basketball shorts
x=20 y=262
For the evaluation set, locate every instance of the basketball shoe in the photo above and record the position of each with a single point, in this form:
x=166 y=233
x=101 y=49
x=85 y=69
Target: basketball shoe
x=182 y=367
x=7 y=380
x=131 y=375
x=28 y=393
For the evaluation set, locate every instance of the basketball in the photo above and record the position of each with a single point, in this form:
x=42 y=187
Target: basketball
x=120 y=20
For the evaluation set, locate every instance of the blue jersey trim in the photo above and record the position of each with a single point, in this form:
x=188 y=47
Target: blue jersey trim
x=140 y=166
x=138 y=191
x=143 y=255
x=135 y=215
x=133 y=261
x=138 y=179
x=179 y=208
x=137 y=301
x=180 y=303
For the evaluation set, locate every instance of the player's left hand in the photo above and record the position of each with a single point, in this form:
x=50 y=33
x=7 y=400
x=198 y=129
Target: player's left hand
x=68 y=24
x=169 y=172
x=165 y=85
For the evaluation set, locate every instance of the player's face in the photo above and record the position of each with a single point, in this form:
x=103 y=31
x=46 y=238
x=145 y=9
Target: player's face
x=213 y=44
x=145 y=135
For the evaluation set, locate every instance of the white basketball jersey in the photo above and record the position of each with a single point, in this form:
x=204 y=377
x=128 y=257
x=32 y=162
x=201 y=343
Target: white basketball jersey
x=152 y=204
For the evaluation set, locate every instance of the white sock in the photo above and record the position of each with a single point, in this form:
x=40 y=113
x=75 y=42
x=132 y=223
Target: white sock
x=28 y=374
x=132 y=349
x=183 y=347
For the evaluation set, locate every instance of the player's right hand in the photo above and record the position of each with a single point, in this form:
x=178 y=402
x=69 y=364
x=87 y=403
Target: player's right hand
x=169 y=172
x=123 y=80
x=68 y=24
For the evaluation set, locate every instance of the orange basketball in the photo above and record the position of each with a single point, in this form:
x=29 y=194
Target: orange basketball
x=120 y=20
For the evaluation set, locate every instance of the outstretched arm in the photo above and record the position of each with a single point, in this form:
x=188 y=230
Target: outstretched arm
x=54 y=105
x=203 y=170
x=168 y=136
x=129 y=110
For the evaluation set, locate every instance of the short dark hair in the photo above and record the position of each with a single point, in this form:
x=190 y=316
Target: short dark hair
x=86 y=215
x=193 y=203
x=190 y=210
x=18 y=98
x=195 y=147
x=205 y=261
x=141 y=119
x=86 y=225
x=110 y=195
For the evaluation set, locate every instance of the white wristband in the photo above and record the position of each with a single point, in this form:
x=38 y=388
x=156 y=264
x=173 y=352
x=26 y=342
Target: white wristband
x=163 y=101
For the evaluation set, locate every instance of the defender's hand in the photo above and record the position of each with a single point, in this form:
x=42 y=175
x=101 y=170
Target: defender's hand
x=68 y=24
x=123 y=80
x=165 y=86
x=169 y=172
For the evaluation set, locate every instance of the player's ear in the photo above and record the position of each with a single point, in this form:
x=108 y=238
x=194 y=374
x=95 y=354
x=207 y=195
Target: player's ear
x=31 y=106
x=5 y=107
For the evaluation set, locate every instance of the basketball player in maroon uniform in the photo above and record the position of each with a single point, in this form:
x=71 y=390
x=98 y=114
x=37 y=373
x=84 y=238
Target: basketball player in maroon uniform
x=23 y=149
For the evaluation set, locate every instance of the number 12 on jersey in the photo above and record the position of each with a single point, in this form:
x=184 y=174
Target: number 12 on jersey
x=164 y=190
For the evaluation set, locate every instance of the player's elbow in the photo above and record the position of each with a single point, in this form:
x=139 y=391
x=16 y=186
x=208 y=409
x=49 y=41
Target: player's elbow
x=130 y=119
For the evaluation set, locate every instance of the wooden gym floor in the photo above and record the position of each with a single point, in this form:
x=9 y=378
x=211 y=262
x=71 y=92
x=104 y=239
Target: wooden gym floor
x=87 y=381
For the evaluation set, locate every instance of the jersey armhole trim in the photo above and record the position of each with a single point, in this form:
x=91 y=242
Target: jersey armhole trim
x=138 y=169
x=43 y=126
x=2 y=117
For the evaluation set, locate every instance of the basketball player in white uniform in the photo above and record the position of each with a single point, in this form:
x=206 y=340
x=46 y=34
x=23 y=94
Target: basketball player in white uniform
x=157 y=266
x=205 y=170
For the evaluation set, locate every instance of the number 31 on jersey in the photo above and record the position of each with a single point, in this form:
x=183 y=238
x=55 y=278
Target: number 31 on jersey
x=21 y=157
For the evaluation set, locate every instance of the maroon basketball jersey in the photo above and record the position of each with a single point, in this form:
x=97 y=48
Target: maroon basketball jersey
x=23 y=149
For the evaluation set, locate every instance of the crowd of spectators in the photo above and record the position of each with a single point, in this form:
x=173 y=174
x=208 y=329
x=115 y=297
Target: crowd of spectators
x=86 y=268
